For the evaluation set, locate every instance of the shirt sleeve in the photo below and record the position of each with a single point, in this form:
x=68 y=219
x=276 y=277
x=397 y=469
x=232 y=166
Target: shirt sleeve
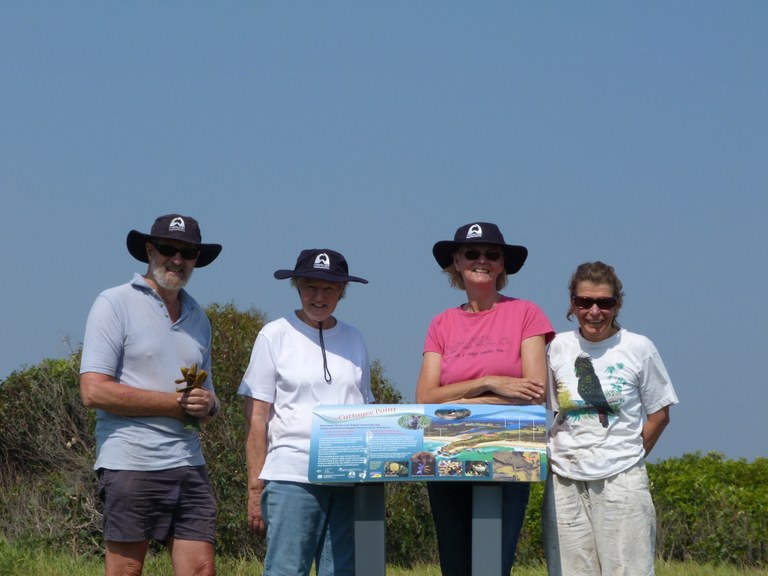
x=551 y=401
x=434 y=341
x=655 y=386
x=260 y=378
x=536 y=323
x=103 y=341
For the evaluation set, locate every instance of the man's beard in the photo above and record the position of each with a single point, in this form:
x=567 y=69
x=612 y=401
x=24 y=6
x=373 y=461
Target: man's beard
x=169 y=280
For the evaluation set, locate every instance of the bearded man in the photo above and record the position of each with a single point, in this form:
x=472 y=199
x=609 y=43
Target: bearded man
x=146 y=368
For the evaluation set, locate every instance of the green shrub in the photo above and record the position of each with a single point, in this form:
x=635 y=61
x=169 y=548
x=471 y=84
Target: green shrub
x=530 y=550
x=46 y=456
x=410 y=532
x=44 y=425
x=710 y=510
x=233 y=333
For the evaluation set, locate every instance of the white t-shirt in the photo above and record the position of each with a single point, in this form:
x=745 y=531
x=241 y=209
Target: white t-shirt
x=601 y=393
x=286 y=370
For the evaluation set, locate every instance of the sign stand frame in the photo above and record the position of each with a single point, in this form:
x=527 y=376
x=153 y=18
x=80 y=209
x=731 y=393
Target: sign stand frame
x=370 y=529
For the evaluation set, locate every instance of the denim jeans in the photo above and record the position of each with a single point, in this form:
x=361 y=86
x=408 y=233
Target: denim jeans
x=451 y=504
x=307 y=522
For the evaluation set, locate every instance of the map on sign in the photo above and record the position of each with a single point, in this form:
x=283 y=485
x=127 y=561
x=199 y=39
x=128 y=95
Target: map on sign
x=411 y=442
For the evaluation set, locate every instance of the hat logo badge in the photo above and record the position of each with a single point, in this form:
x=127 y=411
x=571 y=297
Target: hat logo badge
x=177 y=225
x=322 y=262
x=475 y=231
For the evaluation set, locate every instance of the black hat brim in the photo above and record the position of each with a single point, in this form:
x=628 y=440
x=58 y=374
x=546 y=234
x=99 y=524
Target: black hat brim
x=319 y=275
x=137 y=247
x=514 y=256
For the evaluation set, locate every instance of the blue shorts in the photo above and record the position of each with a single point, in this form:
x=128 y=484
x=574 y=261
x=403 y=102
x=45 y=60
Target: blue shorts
x=160 y=505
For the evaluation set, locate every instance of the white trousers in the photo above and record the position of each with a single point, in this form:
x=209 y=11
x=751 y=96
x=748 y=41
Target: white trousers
x=599 y=527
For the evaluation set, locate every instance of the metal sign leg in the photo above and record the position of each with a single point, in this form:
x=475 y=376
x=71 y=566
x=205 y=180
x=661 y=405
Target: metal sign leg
x=370 y=534
x=486 y=530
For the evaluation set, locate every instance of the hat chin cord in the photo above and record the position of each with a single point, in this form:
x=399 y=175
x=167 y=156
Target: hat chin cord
x=326 y=372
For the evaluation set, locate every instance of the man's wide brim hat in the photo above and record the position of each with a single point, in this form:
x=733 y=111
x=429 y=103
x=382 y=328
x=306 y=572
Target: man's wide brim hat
x=480 y=233
x=322 y=264
x=172 y=227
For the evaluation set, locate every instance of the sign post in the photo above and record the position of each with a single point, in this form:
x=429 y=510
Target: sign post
x=486 y=530
x=370 y=531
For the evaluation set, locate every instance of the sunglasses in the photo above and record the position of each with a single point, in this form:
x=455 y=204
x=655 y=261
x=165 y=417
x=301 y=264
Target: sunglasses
x=490 y=255
x=168 y=250
x=586 y=303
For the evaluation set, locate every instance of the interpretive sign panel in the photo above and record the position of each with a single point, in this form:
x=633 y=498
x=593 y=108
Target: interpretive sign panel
x=407 y=442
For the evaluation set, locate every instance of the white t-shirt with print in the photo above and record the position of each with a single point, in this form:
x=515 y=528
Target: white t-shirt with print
x=601 y=393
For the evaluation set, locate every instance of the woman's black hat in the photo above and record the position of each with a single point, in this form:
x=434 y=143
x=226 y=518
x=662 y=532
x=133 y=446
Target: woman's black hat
x=322 y=264
x=480 y=233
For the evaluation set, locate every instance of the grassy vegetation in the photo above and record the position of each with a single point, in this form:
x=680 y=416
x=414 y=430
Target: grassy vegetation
x=17 y=561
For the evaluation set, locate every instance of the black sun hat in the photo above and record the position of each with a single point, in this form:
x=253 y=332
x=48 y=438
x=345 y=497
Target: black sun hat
x=172 y=227
x=480 y=233
x=322 y=264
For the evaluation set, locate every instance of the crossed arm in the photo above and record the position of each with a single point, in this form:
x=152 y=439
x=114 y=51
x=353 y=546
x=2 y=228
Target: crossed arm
x=528 y=389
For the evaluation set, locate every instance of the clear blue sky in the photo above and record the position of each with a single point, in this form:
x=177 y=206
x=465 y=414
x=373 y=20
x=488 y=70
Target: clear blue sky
x=635 y=133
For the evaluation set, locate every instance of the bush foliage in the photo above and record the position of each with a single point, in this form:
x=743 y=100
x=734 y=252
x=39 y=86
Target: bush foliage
x=709 y=509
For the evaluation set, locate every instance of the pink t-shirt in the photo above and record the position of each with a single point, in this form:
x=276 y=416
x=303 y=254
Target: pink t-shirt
x=485 y=343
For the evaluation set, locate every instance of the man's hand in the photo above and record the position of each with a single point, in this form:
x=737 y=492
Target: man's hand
x=196 y=402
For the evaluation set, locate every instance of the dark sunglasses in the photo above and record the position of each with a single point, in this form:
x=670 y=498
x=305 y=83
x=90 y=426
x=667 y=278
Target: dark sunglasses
x=168 y=250
x=490 y=255
x=586 y=303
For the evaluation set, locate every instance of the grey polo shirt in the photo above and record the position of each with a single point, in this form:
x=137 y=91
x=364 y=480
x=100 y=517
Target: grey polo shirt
x=129 y=335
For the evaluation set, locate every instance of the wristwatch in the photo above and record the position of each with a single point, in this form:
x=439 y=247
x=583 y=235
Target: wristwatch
x=215 y=408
